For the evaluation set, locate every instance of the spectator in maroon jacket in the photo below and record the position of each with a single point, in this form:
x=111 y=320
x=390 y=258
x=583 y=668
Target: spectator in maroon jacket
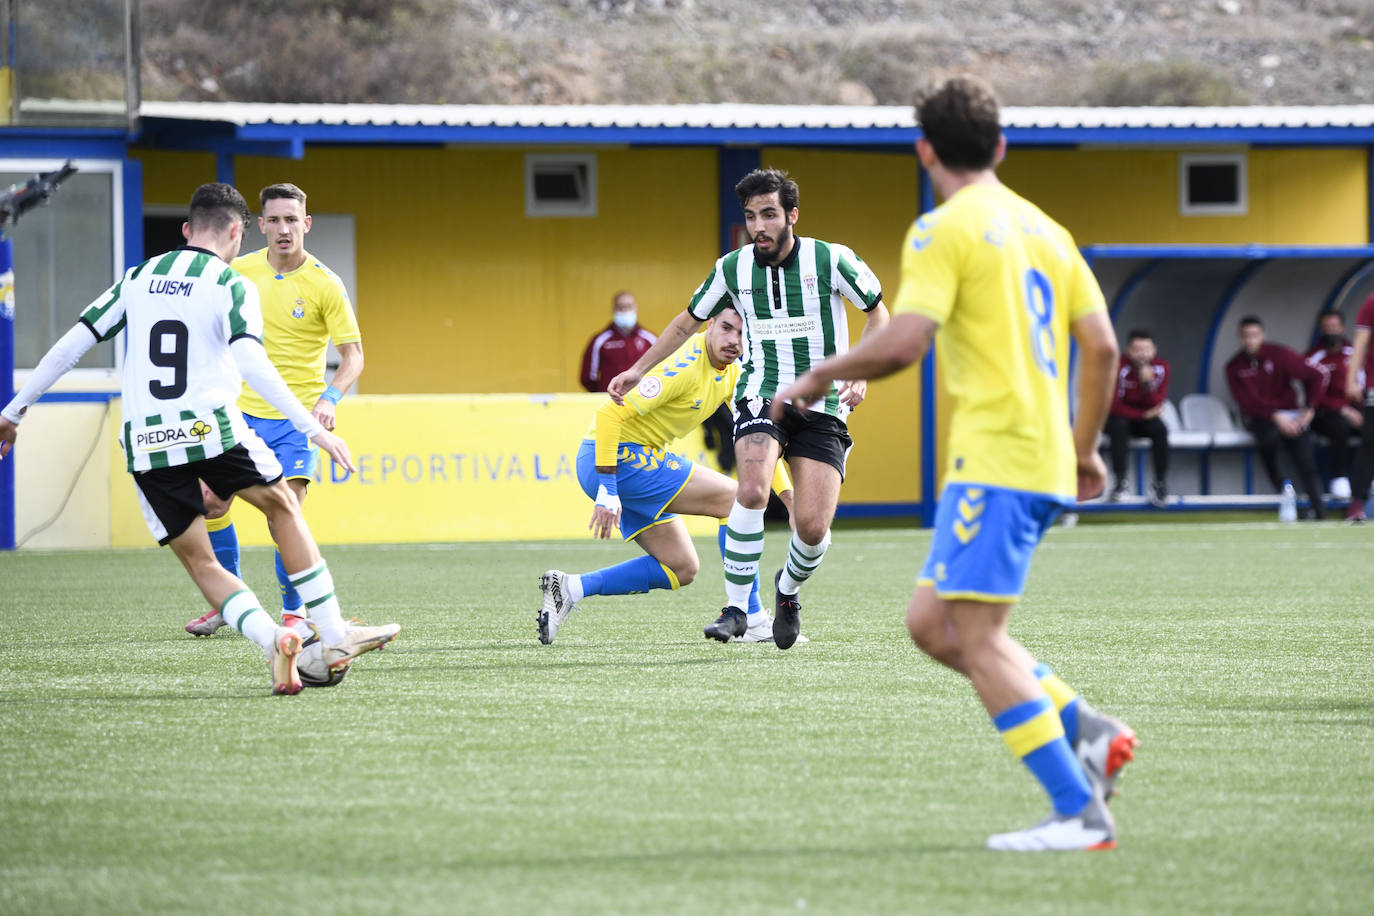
x=1261 y=378
x=618 y=346
x=1142 y=387
x=1336 y=415
x=1359 y=387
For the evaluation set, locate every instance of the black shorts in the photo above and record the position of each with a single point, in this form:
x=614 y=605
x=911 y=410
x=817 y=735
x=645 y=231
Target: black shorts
x=802 y=433
x=171 y=497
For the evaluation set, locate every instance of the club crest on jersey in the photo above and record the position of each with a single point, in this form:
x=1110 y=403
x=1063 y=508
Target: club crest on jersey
x=299 y=310
x=650 y=386
x=809 y=281
x=755 y=406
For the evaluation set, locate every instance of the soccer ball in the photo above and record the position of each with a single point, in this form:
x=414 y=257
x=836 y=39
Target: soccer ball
x=311 y=665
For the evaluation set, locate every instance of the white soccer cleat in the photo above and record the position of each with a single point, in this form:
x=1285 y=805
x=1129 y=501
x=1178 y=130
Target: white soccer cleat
x=763 y=632
x=1103 y=747
x=1089 y=830
x=557 y=605
x=356 y=641
x=281 y=660
x=206 y=624
x=1340 y=488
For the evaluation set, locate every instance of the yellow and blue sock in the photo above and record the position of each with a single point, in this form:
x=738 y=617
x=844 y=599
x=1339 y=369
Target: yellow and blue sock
x=224 y=540
x=755 y=608
x=629 y=578
x=1035 y=735
x=1065 y=699
x=291 y=602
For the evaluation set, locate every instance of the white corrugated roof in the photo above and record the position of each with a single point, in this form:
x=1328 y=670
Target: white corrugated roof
x=745 y=116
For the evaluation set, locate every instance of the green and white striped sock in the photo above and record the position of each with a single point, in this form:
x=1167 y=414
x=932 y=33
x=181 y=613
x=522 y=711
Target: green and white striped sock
x=743 y=548
x=243 y=612
x=316 y=588
x=802 y=560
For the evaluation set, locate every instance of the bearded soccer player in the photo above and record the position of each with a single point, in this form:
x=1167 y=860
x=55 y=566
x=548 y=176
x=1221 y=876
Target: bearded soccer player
x=790 y=291
x=641 y=489
x=1006 y=288
x=304 y=305
x=194 y=334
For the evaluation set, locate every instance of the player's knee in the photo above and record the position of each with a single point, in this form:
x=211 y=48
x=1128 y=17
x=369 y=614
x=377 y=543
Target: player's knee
x=812 y=531
x=686 y=571
x=752 y=495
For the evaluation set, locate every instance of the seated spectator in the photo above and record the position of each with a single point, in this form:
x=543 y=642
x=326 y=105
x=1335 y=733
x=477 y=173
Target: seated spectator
x=1261 y=378
x=1359 y=388
x=1142 y=387
x=617 y=346
x=1336 y=414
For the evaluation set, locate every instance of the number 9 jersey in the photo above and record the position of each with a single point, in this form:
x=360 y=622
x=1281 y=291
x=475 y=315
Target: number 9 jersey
x=180 y=310
x=1004 y=282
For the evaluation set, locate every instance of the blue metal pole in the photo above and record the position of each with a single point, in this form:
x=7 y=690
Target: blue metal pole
x=6 y=387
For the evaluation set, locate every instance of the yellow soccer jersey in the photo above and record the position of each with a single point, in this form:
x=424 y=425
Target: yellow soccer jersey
x=301 y=311
x=671 y=400
x=1004 y=282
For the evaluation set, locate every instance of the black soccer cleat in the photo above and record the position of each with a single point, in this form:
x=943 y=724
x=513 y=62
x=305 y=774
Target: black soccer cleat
x=786 y=617
x=731 y=623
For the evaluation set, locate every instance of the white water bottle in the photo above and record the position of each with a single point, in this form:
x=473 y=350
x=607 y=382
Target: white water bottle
x=1288 y=503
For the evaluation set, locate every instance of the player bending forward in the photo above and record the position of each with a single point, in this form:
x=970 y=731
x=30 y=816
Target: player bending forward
x=194 y=335
x=641 y=488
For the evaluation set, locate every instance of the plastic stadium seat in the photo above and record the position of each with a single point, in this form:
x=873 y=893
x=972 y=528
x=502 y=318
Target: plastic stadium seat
x=1178 y=436
x=1209 y=414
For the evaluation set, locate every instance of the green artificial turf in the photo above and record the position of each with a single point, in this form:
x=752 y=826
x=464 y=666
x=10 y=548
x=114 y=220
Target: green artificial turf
x=635 y=767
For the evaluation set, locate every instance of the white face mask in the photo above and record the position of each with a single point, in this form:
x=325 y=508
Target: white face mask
x=625 y=320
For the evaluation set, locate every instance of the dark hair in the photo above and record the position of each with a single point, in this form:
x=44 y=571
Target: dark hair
x=1251 y=319
x=1330 y=313
x=959 y=118
x=216 y=206
x=766 y=181
x=282 y=191
x=1140 y=334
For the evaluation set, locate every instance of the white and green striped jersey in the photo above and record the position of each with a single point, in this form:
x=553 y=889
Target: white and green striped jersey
x=181 y=311
x=793 y=313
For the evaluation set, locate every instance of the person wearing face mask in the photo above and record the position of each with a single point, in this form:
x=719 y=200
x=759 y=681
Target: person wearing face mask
x=616 y=347
x=1336 y=416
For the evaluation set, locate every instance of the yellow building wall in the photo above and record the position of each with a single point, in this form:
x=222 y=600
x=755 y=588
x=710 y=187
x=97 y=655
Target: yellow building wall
x=867 y=201
x=1296 y=196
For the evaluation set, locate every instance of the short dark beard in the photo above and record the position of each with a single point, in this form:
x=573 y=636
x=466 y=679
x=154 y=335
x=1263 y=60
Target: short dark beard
x=779 y=247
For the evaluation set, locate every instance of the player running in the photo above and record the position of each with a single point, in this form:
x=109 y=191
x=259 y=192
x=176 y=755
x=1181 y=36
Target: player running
x=641 y=488
x=1006 y=287
x=790 y=291
x=304 y=305
x=194 y=334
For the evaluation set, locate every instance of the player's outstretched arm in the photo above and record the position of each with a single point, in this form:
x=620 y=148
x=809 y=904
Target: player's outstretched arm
x=60 y=358
x=1097 y=362
x=853 y=391
x=903 y=341
x=673 y=336
x=335 y=448
x=257 y=370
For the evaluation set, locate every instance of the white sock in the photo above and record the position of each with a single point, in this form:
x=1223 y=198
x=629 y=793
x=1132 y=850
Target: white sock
x=575 y=592
x=743 y=549
x=242 y=611
x=316 y=588
x=802 y=560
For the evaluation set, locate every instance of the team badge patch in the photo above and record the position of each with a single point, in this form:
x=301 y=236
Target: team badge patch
x=809 y=281
x=755 y=405
x=299 y=310
x=650 y=386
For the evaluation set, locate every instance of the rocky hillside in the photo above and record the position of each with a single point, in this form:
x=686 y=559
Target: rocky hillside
x=1051 y=52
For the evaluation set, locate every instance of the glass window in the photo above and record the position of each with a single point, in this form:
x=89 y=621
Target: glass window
x=66 y=253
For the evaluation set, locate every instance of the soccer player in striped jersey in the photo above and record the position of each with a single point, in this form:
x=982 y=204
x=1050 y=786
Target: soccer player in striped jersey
x=304 y=305
x=641 y=489
x=194 y=334
x=790 y=291
x=1007 y=289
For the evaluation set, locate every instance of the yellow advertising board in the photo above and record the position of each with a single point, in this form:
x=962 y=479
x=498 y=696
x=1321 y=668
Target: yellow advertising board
x=439 y=468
